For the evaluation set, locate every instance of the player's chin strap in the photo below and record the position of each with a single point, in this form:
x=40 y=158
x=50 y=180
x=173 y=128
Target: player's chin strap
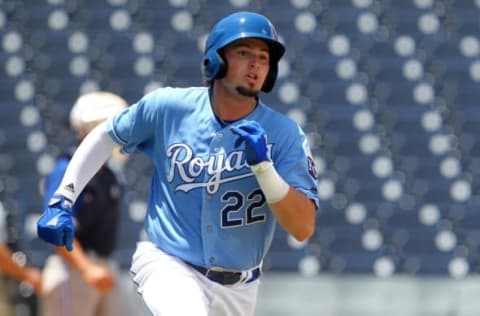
x=273 y=186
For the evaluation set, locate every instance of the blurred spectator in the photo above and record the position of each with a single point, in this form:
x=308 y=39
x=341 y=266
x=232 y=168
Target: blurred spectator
x=15 y=269
x=84 y=281
x=24 y=273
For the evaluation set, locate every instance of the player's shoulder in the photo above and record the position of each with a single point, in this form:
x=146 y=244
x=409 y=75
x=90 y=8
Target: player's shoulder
x=276 y=119
x=177 y=92
x=175 y=97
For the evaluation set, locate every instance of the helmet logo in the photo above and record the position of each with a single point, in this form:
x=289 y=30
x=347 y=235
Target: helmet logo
x=273 y=30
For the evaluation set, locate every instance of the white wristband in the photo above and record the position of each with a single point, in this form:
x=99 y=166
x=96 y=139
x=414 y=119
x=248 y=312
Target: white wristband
x=273 y=186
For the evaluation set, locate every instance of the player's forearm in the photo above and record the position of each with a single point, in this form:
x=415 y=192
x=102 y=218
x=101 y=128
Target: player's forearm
x=92 y=153
x=292 y=209
x=9 y=266
x=296 y=214
x=76 y=258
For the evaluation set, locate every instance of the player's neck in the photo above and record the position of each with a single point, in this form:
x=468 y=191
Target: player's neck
x=230 y=108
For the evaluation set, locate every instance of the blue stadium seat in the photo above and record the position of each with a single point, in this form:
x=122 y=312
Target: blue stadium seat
x=313 y=66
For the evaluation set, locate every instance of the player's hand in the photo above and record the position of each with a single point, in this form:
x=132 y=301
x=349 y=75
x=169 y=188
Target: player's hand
x=99 y=278
x=56 y=224
x=255 y=140
x=33 y=277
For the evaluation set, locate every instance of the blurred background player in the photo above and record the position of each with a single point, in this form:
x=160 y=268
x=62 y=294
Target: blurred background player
x=84 y=281
x=11 y=267
x=18 y=271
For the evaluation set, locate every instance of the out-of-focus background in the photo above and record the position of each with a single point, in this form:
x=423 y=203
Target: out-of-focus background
x=386 y=90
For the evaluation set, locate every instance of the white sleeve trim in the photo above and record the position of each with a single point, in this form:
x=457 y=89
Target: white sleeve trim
x=92 y=153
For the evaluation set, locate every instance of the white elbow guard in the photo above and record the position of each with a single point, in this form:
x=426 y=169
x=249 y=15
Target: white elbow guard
x=273 y=186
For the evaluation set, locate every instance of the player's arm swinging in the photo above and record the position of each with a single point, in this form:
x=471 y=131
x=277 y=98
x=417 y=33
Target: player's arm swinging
x=56 y=225
x=296 y=214
x=294 y=211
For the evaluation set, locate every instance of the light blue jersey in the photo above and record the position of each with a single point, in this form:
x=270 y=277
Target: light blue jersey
x=206 y=206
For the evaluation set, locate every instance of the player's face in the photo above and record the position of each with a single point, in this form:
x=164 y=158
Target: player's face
x=248 y=65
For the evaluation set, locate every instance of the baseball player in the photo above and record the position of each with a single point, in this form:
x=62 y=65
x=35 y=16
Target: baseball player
x=83 y=281
x=227 y=168
x=23 y=273
x=13 y=268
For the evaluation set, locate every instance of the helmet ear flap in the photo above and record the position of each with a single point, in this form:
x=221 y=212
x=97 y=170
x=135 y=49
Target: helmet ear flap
x=270 y=80
x=222 y=71
x=214 y=66
x=222 y=65
x=208 y=68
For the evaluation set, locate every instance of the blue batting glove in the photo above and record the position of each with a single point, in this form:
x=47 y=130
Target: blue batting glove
x=55 y=226
x=255 y=140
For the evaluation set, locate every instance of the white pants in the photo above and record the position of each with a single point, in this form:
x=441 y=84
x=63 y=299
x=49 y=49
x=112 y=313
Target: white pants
x=65 y=293
x=171 y=287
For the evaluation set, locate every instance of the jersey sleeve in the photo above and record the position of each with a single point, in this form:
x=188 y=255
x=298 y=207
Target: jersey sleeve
x=135 y=126
x=293 y=161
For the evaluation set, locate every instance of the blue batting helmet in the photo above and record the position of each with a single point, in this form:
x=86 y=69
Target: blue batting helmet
x=236 y=26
